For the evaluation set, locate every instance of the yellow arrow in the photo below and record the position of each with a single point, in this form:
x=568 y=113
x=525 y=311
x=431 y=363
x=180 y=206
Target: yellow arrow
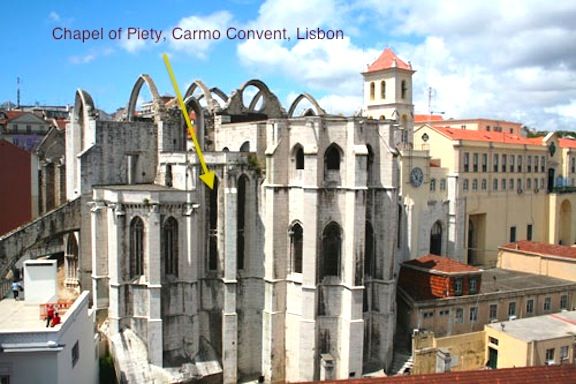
x=208 y=176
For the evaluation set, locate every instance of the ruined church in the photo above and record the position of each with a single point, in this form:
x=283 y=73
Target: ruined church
x=284 y=271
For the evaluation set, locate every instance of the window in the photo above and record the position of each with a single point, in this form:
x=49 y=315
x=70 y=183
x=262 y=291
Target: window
x=428 y=314
x=512 y=158
x=332 y=158
x=382 y=89
x=528 y=184
x=212 y=197
x=542 y=163
x=564 y=302
x=459 y=315
x=369 y=259
x=296 y=245
x=550 y=354
x=331 y=248
x=503 y=163
x=535 y=185
x=473 y=286
x=493 y=312
x=519 y=182
x=465 y=185
x=512 y=234
x=564 y=353
x=536 y=163
x=170 y=246
x=475 y=162
x=136 y=247
x=519 y=163
x=495 y=185
x=299 y=157
x=245 y=147
x=529 y=164
x=442 y=184
x=432 y=185
x=573 y=164
x=75 y=354
x=512 y=308
x=372 y=90
x=473 y=313
x=483 y=184
x=488 y=128
x=168 y=178
x=493 y=340
x=458 y=286
x=28 y=129
x=403 y=89
x=495 y=162
x=466 y=161
x=475 y=184
x=530 y=306
x=547 y=303
x=503 y=184
x=529 y=232
x=240 y=221
x=484 y=162
x=444 y=312
x=542 y=183
x=511 y=184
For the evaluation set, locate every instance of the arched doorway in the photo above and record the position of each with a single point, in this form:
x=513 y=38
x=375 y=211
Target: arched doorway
x=436 y=239
x=565 y=223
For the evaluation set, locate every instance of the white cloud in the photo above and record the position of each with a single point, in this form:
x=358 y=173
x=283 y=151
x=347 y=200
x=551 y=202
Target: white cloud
x=200 y=47
x=53 y=16
x=132 y=45
x=82 y=59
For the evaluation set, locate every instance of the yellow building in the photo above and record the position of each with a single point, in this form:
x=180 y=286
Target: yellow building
x=542 y=340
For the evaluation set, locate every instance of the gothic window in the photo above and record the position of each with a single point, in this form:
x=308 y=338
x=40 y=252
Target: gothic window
x=212 y=200
x=240 y=221
x=331 y=248
x=296 y=247
x=245 y=147
x=332 y=158
x=168 y=175
x=170 y=246
x=369 y=259
x=299 y=156
x=436 y=239
x=372 y=90
x=136 y=247
x=369 y=163
x=382 y=89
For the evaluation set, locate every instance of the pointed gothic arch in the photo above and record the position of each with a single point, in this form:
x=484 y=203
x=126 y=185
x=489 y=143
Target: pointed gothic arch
x=157 y=106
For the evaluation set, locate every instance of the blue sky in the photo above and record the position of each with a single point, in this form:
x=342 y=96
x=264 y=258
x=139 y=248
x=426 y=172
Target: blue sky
x=510 y=60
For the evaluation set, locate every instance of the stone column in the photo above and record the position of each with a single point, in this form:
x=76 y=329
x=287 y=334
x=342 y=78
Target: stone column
x=99 y=257
x=229 y=315
x=116 y=223
x=152 y=257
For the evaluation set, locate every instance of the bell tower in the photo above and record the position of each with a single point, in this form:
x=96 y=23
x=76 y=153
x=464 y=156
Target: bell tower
x=388 y=90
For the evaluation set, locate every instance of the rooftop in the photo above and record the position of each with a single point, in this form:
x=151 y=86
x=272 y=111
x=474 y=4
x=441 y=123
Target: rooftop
x=539 y=328
x=441 y=264
x=503 y=280
x=386 y=60
x=542 y=249
x=19 y=315
x=135 y=187
x=485 y=136
x=567 y=143
x=557 y=374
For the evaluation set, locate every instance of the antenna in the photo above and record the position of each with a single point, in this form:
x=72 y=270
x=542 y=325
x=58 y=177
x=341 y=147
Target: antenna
x=432 y=91
x=18 y=92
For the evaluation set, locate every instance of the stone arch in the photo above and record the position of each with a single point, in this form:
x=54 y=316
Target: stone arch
x=565 y=223
x=318 y=111
x=296 y=235
x=205 y=93
x=218 y=92
x=84 y=112
x=170 y=247
x=298 y=156
x=245 y=147
x=333 y=157
x=71 y=260
x=331 y=255
x=270 y=107
x=157 y=103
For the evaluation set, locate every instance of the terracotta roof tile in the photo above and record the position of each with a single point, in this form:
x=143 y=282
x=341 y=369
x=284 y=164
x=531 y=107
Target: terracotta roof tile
x=557 y=374
x=441 y=264
x=495 y=137
x=388 y=59
x=425 y=118
x=567 y=143
x=544 y=249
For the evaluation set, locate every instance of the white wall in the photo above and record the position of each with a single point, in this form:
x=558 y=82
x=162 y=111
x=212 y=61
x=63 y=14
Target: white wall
x=40 y=280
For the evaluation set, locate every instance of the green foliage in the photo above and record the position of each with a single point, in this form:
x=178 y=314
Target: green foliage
x=107 y=373
x=255 y=165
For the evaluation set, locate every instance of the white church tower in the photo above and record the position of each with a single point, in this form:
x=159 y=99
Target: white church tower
x=388 y=91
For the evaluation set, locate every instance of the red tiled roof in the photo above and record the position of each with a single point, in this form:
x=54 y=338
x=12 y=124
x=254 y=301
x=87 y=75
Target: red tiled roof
x=13 y=114
x=441 y=264
x=495 y=137
x=425 y=118
x=544 y=249
x=557 y=374
x=567 y=143
x=388 y=59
